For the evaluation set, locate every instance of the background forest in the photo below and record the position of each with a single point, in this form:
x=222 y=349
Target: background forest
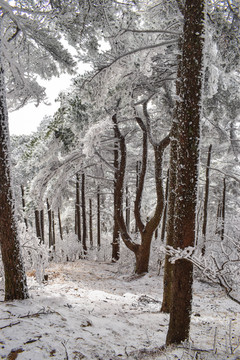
x=95 y=182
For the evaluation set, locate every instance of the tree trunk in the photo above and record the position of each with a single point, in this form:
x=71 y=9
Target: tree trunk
x=15 y=278
x=141 y=251
x=98 y=219
x=116 y=231
x=77 y=211
x=38 y=225
x=50 y=234
x=90 y=224
x=168 y=267
x=188 y=112
x=24 y=206
x=60 y=224
x=223 y=209
x=205 y=209
x=42 y=225
x=164 y=220
x=53 y=231
x=138 y=169
x=84 y=220
x=127 y=209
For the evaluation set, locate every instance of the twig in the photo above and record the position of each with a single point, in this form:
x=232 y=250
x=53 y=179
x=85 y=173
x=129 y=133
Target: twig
x=10 y=325
x=40 y=312
x=66 y=352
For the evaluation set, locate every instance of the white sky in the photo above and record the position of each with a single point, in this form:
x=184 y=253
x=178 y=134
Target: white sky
x=27 y=119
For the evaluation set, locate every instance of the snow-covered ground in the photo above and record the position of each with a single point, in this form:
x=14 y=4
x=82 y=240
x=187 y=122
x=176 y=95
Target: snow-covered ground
x=98 y=310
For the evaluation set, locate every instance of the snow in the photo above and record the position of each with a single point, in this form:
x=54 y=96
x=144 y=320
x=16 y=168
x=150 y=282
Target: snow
x=98 y=310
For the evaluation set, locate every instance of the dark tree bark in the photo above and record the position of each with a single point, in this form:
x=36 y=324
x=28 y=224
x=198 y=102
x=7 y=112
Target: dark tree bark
x=141 y=251
x=168 y=267
x=77 y=211
x=164 y=220
x=84 y=219
x=38 y=225
x=50 y=234
x=138 y=168
x=188 y=112
x=116 y=237
x=205 y=209
x=15 y=278
x=24 y=206
x=223 y=209
x=53 y=231
x=127 y=209
x=90 y=224
x=60 y=224
x=98 y=219
x=42 y=225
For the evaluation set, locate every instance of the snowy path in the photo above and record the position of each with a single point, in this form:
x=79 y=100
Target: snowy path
x=90 y=310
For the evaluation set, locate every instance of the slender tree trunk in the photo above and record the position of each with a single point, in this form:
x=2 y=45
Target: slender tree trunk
x=188 y=112
x=38 y=225
x=53 y=231
x=90 y=224
x=78 y=212
x=223 y=209
x=164 y=220
x=50 y=234
x=24 y=206
x=141 y=251
x=127 y=209
x=168 y=267
x=98 y=219
x=84 y=219
x=138 y=169
x=15 y=278
x=116 y=237
x=42 y=225
x=205 y=209
x=60 y=224
x=219 y=218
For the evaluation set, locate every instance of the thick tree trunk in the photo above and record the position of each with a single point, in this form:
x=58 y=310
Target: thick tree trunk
x=188 y=112
x=15 y=279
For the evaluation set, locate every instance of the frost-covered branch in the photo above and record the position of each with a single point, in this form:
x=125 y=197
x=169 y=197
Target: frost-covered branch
x=144 y=48
x=226 y=174
x=207 y=264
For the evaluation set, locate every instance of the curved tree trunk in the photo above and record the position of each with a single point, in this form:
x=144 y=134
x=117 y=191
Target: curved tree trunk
x=141 y=251
x=15 y=279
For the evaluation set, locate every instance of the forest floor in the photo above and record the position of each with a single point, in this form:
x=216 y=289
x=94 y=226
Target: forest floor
x=96 y=310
